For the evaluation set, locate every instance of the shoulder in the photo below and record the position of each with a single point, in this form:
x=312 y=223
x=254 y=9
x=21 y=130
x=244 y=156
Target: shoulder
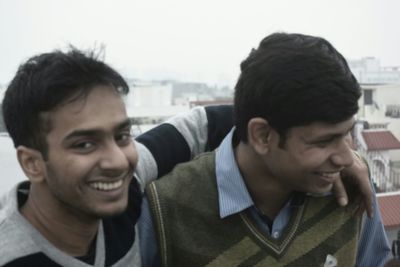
x=15 y=243
x=202 y=165
x=8 y=204
x=326 y=211
x=187 y=180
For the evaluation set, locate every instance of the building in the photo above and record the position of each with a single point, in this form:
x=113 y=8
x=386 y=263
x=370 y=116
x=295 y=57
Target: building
x=198 y=92
x=380 y=103
x=369 y=71
x=193 y=104
x=149 y=94
x=377 y=133
x=389 y=204
x=381 y=149
x=151 y=102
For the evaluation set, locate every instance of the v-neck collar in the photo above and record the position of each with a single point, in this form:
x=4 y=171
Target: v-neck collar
x=277 y=246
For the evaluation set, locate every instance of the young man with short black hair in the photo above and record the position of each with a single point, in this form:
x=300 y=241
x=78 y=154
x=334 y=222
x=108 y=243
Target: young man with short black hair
x=263 y=197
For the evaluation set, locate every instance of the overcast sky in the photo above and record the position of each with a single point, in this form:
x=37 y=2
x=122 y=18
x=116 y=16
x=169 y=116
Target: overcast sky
x=191 y=40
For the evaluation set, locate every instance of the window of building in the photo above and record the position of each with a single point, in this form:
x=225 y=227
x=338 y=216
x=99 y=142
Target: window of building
x=368 y=97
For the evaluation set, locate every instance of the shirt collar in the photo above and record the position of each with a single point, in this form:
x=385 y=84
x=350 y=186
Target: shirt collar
x=232 y=192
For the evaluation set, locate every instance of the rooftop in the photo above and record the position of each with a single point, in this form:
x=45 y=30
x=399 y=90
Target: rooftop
x=380 y=140
x=389 y=204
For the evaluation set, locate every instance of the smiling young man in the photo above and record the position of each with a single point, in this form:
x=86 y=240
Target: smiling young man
x=263 y=198
x=66 y=116
x=90 y=157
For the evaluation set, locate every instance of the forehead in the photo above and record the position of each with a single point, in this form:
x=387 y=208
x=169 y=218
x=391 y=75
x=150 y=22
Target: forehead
x=102 y=108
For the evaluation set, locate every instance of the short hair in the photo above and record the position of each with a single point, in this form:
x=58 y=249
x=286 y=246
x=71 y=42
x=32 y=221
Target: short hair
x=294 y=80
x=45 y=81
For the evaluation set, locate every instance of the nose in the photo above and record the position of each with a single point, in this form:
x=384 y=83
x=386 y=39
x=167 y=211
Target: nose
x=343 y=154
x=114 y=158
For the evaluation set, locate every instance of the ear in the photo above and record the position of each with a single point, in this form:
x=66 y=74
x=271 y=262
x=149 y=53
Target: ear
x=259 y=134
x=32 y=163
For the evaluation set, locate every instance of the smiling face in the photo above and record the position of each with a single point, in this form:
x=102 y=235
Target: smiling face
x=312 y=157
x=91 y=155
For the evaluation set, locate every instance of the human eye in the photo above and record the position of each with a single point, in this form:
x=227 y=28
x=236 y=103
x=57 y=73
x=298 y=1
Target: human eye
x=124 y=137
x=84 y=146
x=324 y=142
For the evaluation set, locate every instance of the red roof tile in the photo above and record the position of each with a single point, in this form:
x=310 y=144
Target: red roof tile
x=380 y=140
x=389 y=206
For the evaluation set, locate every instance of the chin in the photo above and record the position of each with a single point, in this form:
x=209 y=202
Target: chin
x=109 y=214
x=322 y=191
x=110 y=211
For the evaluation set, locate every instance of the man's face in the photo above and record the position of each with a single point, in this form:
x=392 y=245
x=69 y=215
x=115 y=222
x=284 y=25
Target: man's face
x=312 y=157
x=91 y=155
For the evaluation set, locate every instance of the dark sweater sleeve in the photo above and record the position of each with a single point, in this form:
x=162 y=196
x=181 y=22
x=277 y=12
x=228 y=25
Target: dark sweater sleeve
x=185 y=136
x=220 y=122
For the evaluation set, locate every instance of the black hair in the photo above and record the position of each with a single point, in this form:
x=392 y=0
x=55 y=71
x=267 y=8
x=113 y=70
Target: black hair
x=47 y=80
x=294 y=80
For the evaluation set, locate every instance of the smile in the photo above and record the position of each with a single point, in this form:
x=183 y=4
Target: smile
x=330 y=176
x=103 y=186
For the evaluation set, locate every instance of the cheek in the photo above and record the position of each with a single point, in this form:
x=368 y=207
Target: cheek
x=312 y=158
x=76 y=166
x=132 y=155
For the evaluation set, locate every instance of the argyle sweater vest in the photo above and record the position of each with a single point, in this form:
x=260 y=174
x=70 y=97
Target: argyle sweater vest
x=190 y=232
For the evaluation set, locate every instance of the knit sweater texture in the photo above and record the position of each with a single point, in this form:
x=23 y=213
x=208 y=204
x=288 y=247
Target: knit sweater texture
x=190 y=231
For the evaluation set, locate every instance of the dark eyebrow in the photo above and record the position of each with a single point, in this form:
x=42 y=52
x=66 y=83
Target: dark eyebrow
x=125 y=124
x=93 y=132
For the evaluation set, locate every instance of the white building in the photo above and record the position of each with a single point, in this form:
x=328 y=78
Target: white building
x=150 y=103
x=378 y=133
x=150 y=94
x=380 y=106
x=382 y=151
x=369 y=71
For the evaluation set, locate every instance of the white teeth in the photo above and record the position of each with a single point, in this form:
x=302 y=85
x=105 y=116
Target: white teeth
x=330 y=174
x=106 y=186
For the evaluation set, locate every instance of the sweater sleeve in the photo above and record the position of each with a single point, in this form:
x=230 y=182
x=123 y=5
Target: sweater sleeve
x=180 y=139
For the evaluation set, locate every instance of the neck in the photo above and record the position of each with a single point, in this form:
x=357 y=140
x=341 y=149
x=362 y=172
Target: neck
x=67 y=232
x=267 y=192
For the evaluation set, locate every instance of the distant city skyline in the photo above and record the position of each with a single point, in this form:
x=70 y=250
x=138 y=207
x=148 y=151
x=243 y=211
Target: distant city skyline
x=187 y=40
x=385 y=74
